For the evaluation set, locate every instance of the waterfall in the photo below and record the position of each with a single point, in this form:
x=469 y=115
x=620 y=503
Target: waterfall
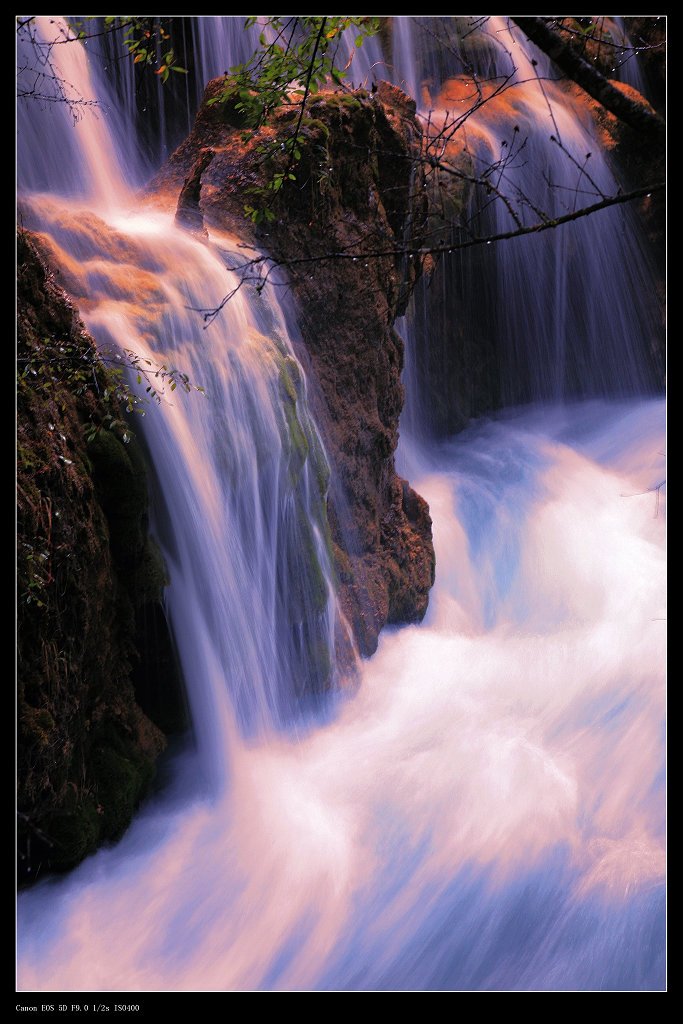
x=242 y=469
x=485 y=811
x=560 y=315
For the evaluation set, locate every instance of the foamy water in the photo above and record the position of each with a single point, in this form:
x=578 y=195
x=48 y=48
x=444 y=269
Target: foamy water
x=489 y=802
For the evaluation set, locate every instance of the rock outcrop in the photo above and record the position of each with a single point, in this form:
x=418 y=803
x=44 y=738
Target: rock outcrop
x=90 y=579
x=356 y=197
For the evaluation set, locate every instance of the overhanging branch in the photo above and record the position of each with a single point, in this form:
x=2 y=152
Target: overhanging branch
x=257 y=271
x=632 y=113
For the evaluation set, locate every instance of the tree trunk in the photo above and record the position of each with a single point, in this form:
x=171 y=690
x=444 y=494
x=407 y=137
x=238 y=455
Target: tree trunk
x=634 y=114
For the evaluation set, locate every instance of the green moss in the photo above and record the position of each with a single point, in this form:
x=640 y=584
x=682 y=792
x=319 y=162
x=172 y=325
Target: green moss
x=293 y=435
x=74 y=833
x=315 y=130
x=299 y=439
x=121 y=782
x=290 y=378
x=120 y=474
x=347 y=102
x=151 y=576
x=100 y=807
x=230 y=109
x=316 y=582
x=121 y=776
x=320 y=465
x=296 y=443
x=302 y=579
x=120 y=480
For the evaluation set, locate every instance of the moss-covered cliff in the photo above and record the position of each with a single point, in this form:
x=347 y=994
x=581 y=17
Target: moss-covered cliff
x=90 y=582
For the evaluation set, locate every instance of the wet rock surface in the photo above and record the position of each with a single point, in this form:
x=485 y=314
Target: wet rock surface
x=92 y=717
x=334 y=229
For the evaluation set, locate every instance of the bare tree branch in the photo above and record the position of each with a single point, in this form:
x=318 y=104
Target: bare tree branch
x=634 y=114
x=258 y=270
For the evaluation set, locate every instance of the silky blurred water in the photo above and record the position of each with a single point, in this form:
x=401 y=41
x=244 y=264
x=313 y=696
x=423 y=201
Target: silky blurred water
x=484 y=808
x=486 y=812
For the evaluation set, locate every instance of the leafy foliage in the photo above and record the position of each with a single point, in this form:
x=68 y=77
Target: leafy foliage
x=296 y=57
x=145 y=39
x=51 y=374
x=50 y=367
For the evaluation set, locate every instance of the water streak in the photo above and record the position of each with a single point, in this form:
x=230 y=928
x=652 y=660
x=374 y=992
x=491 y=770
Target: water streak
x=553 y=316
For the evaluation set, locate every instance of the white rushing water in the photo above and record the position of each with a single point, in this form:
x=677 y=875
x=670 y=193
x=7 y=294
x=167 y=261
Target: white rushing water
x=485 y=810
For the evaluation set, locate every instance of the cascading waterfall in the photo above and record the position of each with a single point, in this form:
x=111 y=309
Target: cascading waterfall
x=486 y=812
x=246 y=468
x=551 y=313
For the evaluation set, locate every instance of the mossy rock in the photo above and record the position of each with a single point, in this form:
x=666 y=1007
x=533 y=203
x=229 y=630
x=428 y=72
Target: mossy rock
x=343 y=102
x=121 y=783
x=151 y=577
x=120 y=481
x=313 y=673
x=85 y=750
x=320 y=465
x=73 y=834
x=157 y=679
x=292 y=433
x=290 y=377
x=342 y=565
x=315 y=130
x=225 y=105
x=120 y=473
